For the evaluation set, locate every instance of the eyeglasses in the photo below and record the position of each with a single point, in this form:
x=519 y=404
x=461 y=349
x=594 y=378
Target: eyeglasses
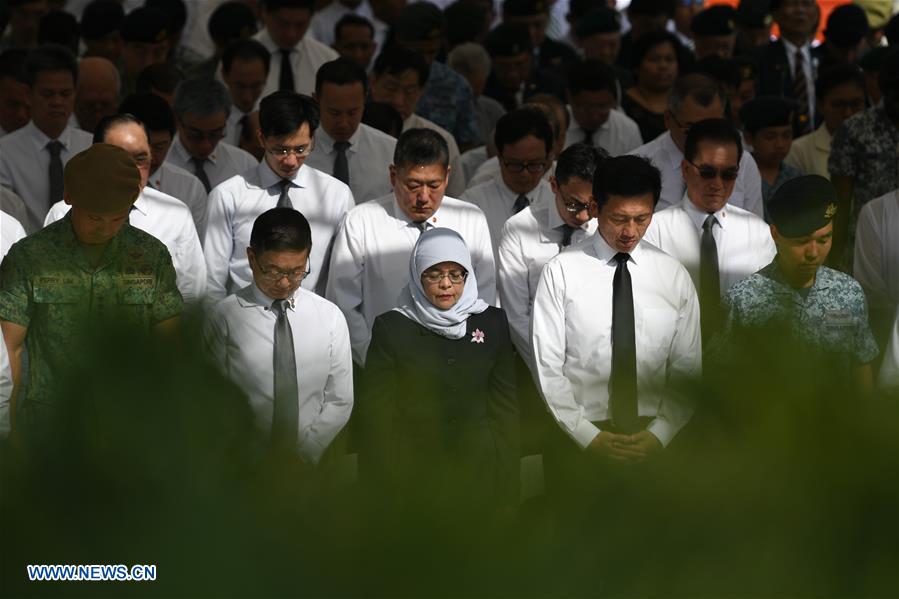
x=299 y=152
x=709 y=172
x=435 y=276
x=575 y=207
x=532 y=167
x=194 y=134
x=292 y=275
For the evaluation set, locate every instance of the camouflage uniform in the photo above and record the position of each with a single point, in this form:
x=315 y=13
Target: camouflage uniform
x=832 y=320
x=48 y=286
x=447 y=100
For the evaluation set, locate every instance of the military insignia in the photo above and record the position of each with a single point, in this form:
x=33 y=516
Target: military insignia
x=162 y=35
x=768 y=20
x=135 y=255
x=830 y=211
x=146 y=269
x=731 y=25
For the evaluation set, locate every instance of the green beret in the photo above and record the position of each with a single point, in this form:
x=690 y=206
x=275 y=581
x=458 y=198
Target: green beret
x=102 y=179
x=753 y=14
x=145 y=25
x=767 y=111
x=420 y=21
x=803 y=205
x=599 y=20
x=524 y=8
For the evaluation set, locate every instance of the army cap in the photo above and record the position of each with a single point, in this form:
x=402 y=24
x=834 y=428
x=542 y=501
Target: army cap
x=753 y=14
x=599 y=20
x=846 y=26
x=145 y=25
x=524 y=8
x=419 y=21
x=803 y=205
x=100 y=18
x=508 y=39
x=767 y=111
x=715 y=20
x=102 y=179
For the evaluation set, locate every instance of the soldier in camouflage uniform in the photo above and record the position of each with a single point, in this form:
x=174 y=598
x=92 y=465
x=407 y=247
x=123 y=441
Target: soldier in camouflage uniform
x=89 y=270
x=795 y=303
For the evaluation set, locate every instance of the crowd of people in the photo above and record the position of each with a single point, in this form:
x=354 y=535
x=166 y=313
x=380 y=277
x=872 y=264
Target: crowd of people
x=446 y=237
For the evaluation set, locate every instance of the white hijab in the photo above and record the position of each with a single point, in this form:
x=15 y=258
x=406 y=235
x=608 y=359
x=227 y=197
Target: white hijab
x=433 y=247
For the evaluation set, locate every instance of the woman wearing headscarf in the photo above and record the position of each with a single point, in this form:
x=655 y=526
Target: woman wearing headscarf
x=437 y=408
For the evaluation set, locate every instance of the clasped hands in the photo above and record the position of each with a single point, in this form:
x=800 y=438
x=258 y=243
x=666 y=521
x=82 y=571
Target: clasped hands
x=625 y=448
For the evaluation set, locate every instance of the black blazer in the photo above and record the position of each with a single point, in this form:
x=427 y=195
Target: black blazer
x=775 y=77
x=440 y=416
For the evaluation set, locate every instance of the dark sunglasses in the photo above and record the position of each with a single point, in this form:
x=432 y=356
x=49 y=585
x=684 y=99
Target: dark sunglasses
x=710 y=172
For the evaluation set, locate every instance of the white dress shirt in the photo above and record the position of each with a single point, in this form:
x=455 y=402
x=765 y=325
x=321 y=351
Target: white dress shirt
x=528 y=241
x=743 y=240
x=370 y=263
x=456 y=186
x=25 y=164
x=11 y=230
x=235 y=205
x=180 y=184
x=489 y=169
x=240 y=335
x=470 y=160
x=305 y=59
x=369 y=158
x=876 y=262
x=168 y=220
x=618 y=135
x=324 y=20
x=666 y=157
x=808 y=68
x=5 y=388
x=232 y=126
x=225 y=162
x=572 y=337
x=497 y=202
x=888 y=377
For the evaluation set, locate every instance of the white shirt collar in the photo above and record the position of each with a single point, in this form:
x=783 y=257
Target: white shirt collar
x=269 y=178
x=326 y=143
x=185 y=156
x=698 y=216
x=255 y=297
x=40 y=139
x=606 y=253
x=403 y=220
x=791 y=49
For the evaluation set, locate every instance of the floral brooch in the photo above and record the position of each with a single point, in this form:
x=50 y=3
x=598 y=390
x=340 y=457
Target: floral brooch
x=477 y=336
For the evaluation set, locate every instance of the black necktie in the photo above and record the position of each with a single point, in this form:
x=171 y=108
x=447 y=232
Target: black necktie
x=55 y=172
x=709 y=278
x=567 y=232
x=285 y=82
x=284 y=198
x=422 y=226
x=243 y=135
x=800 y=92
x=341 y=167
x=287 y=401
x=200 y=172
x=521 y=202
x=623 y=382
x=588 y=137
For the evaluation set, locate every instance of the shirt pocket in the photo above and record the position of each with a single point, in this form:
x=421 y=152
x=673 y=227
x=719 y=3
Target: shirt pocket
x=51 y=293
x=657 y=328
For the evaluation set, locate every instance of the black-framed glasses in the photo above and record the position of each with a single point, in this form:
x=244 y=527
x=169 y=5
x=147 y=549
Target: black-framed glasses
x=709 y=172
x=194 y=134
x=573 y=206
x=299 y=151
x=531 y=167
x=435 y=276
x=293 y=276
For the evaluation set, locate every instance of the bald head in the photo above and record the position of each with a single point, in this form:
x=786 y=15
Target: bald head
x=97 y=93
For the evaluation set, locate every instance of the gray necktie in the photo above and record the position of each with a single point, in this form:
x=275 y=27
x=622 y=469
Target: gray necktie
x=287 y=401
x=709 y=278
x=200 y=172
x=284 y=198
x=521 y=202
x=56 y=179
x=341 y=167
x=422 y=226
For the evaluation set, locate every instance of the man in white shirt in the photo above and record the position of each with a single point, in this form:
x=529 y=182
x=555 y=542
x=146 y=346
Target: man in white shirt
x=285 y=347
x=11 y=231
x=538 y=233
x=596 y=120
x=719 y=244
x=354 y=39
x=162 y=216
x=345 y=148
x=524 y=142
x=616 y=329
x=370 y=263
x=32 y=158
x=876 y=260
x=14 y=111
x=97 y=92
x=245 y=67
x=696 y=97
x=398 y=78
x=325 y=20
x=159 y=123
x=284 y=35
x=288 y=121
x=201 y=115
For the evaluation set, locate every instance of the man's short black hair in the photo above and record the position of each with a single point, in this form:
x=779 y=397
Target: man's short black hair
x=721 y=131
x=350 y=20
x=231 y=21
x=12 y=64
x=650 y=40
x=162 y=77
x=281 y=230
x=284 y=112
x=383 y=117
x=114 y=120
x=49 y=57
x=579 y=160
x=521 y=122
x=591 y=76
x=627 y=177
x=152 y=110
x=175 y=9
x=341 y=71
x=272 y=5
x=837 y=75
x=420 y=147
x=396 y=60
x=246 y=50
x=59 y=27
x=651 y=8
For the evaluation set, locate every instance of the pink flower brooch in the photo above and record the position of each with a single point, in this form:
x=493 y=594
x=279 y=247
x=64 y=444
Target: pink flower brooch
x=477 y=336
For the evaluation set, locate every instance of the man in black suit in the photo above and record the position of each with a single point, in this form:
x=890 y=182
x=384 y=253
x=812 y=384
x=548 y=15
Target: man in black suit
x=782 y=60
x=549 y=54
